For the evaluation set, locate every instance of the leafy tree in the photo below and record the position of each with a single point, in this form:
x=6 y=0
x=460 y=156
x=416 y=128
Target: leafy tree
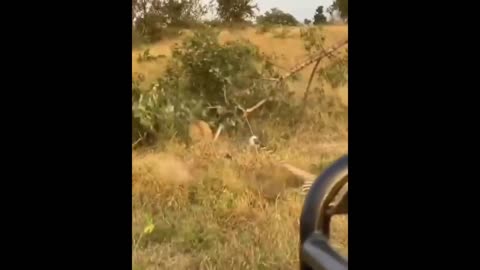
x=236 y=10
x=151 y=17
x=319 y=17
x=179 y=12
x=342 y=7
x=206 y=79
x=209 y=80
x=307 y=21
x=276 y=16
x=139 y=12
x=331 y=11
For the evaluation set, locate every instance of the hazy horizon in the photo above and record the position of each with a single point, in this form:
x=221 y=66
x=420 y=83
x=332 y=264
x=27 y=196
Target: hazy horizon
x=304 y=10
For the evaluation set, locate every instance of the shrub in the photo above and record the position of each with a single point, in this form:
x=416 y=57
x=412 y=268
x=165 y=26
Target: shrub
x=212 y=81
x=278 y=17
x=204 y=74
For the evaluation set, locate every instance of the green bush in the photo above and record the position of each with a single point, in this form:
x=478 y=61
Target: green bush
x=204 y=74
x=212 y=81
x=313 y=38
x=137 y=39
x=277 y=17
x=264 y=28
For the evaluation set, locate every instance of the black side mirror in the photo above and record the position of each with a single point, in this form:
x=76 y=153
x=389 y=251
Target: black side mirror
x=328 y=196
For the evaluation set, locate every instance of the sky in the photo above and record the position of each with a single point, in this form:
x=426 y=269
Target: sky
x=300 y=9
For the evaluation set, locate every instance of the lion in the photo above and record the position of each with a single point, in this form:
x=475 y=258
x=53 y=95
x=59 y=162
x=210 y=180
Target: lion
x=200 y=131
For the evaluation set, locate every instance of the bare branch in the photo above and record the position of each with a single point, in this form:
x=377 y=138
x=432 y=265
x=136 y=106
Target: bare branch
x=136 y=142
x=225 y=95
x=315 y=59
x=305 y=95
x=216 y=107
x=270 y=79
x=219 y=130
x=139 y=140
x=310 y=60
x=256 y=106
x=321 y=55
x=240 y=107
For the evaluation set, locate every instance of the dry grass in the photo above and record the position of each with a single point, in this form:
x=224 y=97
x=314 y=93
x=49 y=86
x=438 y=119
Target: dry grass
x=209 y=212
x=213 y=213
x=289 y=51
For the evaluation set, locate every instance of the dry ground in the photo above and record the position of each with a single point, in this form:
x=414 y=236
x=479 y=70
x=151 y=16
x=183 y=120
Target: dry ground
x=194 y=209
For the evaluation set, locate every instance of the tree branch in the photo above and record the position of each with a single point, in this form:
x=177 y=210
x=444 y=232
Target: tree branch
x=305 y=95
x=313 y=59
x=219 y=130
x=254 y=107
x=139 y=140
x=309 y=61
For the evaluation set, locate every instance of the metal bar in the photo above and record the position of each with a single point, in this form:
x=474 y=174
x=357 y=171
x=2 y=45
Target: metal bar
x=319 y=255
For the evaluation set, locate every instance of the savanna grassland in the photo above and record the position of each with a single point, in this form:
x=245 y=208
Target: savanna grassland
x=195 y=209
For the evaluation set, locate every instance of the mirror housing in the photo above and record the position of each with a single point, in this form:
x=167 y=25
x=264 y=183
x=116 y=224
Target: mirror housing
x=327 y=196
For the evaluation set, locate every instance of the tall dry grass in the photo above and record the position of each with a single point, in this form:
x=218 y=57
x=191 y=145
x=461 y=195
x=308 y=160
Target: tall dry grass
x=210 y=212
x=289 y=51
x=193 y=208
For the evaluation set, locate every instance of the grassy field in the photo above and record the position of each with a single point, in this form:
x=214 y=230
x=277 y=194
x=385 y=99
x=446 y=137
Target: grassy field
x=289 y=50
x=194 y=209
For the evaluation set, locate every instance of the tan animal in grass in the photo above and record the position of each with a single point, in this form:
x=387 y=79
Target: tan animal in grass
x=307 y=177
x=200 y=131
x=201 y=135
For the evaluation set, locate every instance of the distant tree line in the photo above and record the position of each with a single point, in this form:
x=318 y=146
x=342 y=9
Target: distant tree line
x=151 y=19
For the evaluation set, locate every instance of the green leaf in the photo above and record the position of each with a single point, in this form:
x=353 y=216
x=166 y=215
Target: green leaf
x=149 y=228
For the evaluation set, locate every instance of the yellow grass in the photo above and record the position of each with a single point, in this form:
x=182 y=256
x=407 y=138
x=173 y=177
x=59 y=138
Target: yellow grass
x=213 y=213
x=195 y=209
x=290 y=51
